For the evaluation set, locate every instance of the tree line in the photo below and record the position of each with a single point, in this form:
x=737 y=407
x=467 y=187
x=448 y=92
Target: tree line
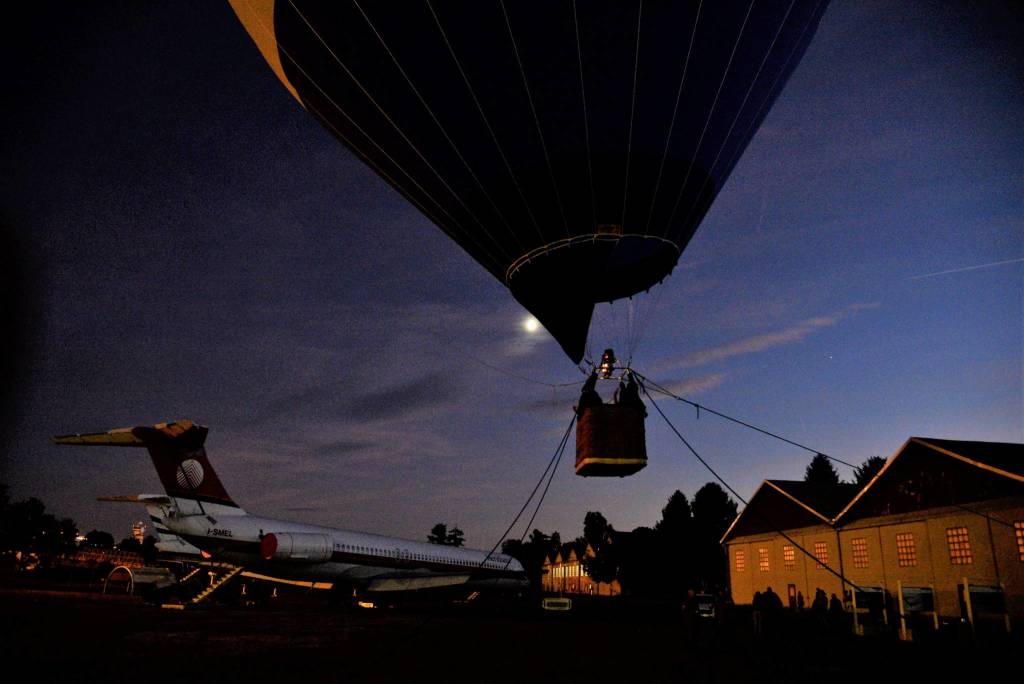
x=26 y=526
x=678 y=552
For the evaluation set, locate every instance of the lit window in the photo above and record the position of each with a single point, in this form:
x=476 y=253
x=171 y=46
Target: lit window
x=741 y=560
x=821 y=553
x=762 y=560
x=906 y=552
x=1018 y=529
x=959 y=545
x=788 y=557
x=860 y=552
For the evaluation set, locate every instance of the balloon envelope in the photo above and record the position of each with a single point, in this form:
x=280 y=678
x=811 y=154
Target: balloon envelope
x=571 y=148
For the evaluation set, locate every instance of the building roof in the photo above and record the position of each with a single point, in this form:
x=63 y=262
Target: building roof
x=1006 y=458
x=924 y=472
x=824 y=500
x=789 y=504
x=952 y=471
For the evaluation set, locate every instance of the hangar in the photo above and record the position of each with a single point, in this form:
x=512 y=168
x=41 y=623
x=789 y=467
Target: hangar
x=937 y=533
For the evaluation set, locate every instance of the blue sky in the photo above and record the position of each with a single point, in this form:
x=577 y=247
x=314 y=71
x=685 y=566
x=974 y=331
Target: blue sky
x=204 y=249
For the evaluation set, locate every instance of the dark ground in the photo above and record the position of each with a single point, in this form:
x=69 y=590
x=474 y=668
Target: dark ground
x=67 y=635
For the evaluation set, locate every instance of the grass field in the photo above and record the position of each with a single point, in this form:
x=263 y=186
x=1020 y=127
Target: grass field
x=80 y=636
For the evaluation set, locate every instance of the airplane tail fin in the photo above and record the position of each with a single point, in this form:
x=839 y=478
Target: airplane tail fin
x=178 y=455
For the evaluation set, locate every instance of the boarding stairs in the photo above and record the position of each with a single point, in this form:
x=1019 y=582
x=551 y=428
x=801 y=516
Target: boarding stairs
x=231 y=571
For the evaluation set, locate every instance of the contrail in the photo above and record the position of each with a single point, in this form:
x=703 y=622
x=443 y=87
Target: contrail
x=967 y=268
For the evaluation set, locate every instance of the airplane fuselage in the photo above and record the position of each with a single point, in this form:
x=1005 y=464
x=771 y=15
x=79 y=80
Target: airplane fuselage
x=315 y=553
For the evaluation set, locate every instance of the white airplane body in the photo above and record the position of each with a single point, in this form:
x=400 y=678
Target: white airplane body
x=198 y=513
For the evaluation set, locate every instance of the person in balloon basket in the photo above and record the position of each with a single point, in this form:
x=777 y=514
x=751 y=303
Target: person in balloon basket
x=589 y=396
x=628 y=393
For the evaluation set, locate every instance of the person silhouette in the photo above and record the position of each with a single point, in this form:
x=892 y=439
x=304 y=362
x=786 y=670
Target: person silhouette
x=628 y=393
x=589 y=396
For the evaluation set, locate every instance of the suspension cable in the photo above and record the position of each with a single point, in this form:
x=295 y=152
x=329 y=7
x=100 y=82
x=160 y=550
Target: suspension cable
x=739 y=112
x=672 y=123
x=711 y=113
x=437 y=121
x=394 y=124
x=483 y=117
x=632 y=114
x=586 y=121
x=447 y=229
x=536 y=119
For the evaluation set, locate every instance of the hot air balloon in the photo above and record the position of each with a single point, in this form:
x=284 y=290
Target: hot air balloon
x=571 y=148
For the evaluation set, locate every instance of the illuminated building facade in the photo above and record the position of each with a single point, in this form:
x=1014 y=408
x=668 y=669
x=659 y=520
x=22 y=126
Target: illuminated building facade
x=941 y=515
x=564 y=573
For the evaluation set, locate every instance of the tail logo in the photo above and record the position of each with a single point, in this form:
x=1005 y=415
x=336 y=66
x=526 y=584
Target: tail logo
x=189 y=474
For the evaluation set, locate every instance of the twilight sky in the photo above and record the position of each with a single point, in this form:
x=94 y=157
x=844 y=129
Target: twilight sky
x=193 y=244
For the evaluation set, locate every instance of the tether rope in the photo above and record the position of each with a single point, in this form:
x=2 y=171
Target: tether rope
x=746 y=505
x=552 y=466
x=701 y=407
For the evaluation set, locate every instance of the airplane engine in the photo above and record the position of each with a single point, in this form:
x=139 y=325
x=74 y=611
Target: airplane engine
x=296 y=547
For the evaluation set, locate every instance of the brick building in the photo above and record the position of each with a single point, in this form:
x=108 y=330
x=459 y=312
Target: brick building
x=564 y=573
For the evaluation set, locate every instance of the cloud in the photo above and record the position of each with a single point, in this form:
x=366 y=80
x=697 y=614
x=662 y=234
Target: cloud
x=694 y=385
x=411 y=396
x=342 y=447
x=764 y=341
x=338 y=400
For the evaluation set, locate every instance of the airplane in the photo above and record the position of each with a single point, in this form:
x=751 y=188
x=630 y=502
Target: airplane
x=157 y=506
x=198 y=512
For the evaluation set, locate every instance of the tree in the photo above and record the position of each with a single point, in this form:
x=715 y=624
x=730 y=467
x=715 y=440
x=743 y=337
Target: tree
x=603 y=566
x=149 y=550
x=868 y=469
x=438 y=534
x=455 y=537
x=98 y=539
x=675 y=537
x=676 y=516
x=531 y=553
x=595 y=528
x=641 y=562
x=821 y=472
x=26 y=526
x=129 y=544
x=713 y=512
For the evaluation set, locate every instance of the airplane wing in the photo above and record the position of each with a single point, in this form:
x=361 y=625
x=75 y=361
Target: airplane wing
x=412 y=583
x=136 y=498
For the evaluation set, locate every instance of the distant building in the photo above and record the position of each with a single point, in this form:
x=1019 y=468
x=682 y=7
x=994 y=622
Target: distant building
x=139 y=531
x=564 y=573
x=941 y=515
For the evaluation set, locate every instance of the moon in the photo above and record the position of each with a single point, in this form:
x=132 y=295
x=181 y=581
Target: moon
x=531 y=324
